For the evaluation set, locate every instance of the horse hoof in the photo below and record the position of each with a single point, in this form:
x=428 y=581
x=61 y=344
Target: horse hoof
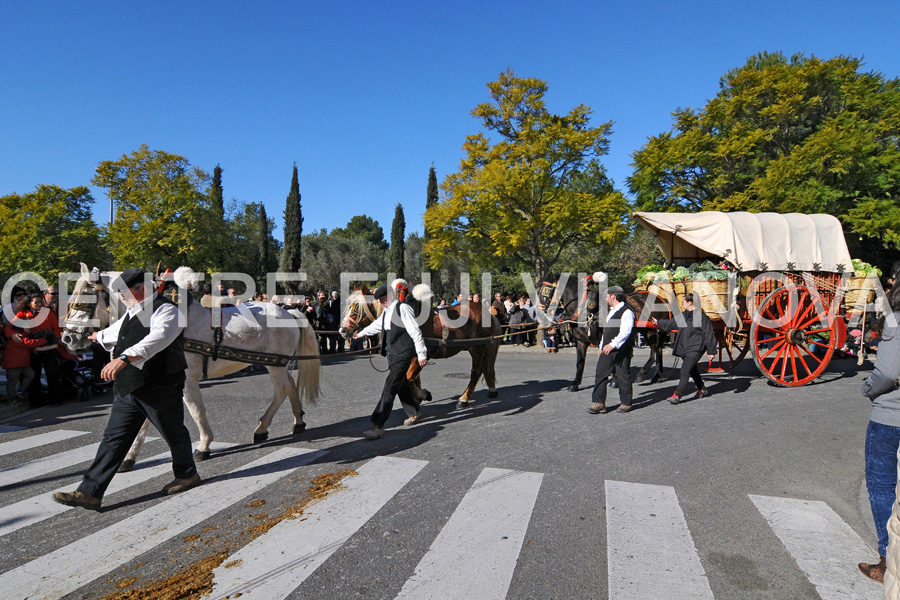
x=201 y=455
x=299 y=428
x=127 y=465
x=462 y=405
x=259 y=438
x=492 y=394
x=427 y=396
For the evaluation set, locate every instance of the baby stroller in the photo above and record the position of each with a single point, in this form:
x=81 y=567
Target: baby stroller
x=77 y=378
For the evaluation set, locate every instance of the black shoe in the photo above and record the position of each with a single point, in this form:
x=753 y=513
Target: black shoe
x=573 y=387
x=613 y=384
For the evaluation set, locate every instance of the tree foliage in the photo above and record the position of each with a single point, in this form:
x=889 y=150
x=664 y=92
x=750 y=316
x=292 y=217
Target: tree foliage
x=162 y=211
x=326 y=256
x=291 y=252
x=397 y=252
x=49 y=231
x=517 y=197
x=364 y=227
x=784 y=135
x=254 y=250
x=216 y=192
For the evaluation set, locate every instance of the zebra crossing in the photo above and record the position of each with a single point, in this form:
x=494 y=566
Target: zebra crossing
x=645 y=527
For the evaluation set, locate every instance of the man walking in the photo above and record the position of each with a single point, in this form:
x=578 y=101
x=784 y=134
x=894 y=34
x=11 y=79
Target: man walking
x=401 y=342
x=616 y=347
x=149 y=379
x=695 y=334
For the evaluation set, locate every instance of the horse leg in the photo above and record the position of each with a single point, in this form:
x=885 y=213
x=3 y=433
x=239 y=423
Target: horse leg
x=651 y=360
x=475 y=375
x=581 y=347
x=194 y=401
x=490 y=375
x=131 y=457
x=415 y=382
x=284 y=387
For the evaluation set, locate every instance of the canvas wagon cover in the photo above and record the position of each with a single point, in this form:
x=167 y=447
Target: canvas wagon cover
x=751 y=241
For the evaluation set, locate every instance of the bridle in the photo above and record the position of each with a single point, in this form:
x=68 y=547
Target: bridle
x=77 y=304
x=358 y=314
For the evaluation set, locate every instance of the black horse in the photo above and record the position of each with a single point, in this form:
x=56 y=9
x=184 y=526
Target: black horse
x=578 y=308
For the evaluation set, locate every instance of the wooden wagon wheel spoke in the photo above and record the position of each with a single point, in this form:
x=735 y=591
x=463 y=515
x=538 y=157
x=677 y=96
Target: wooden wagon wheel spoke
x=792 y=336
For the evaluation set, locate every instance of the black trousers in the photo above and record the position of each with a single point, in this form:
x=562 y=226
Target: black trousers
x=162 y=404
x=689 y=370
x=48 y=360
x=398 y=385
x=618 y=361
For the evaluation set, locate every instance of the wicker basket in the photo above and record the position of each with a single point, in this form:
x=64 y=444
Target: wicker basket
x=713 y=296
x=640 y=288
x=663 y=290
x=860 y=291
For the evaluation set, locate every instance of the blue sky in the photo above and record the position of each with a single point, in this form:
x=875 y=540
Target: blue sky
x=366 y=96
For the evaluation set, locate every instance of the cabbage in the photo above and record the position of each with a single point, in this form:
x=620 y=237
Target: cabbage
x=662 y=276
x=681 y=273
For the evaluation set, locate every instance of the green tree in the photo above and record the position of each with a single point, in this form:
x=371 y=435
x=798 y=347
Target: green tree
x=784 y=135
x=49 y=231
x=326 y=256
x=412 y=257
x=513 y=199
x=362 y=226
x=291 y=252
x=397 y=253
x=253 y=247
x=162 y=211
x=263 y=232
x=216 y=193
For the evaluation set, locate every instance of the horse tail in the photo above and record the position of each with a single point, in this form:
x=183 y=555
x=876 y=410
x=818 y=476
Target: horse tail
x=308 y=369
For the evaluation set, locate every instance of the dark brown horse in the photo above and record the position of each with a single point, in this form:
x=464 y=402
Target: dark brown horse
x=578 y=306
x=447 y=332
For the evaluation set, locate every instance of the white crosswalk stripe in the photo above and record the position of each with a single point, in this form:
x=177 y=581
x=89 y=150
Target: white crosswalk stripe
x=824 y=546
x=49 y=464
x=650 y=549
x=490 y=521
x=308 y=543
x=67 y=569
x=38 y=508
x=40 y=439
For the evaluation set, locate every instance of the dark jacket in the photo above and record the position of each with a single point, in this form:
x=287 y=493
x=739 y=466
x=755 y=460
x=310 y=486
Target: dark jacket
x=695 y=333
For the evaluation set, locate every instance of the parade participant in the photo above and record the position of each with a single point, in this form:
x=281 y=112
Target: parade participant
x=695 y=334
x=17 y=356
x=401 y=341
x=883 y=433
x=46 y=358
x=148 y=377
x=616 y=348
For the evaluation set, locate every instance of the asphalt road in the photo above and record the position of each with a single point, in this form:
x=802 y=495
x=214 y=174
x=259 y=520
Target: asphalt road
x=707 y=462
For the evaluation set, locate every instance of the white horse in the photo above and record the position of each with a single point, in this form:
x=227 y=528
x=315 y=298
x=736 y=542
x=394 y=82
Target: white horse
x=244 y=328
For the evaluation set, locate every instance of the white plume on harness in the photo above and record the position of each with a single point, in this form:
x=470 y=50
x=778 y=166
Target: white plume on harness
x=186 y=278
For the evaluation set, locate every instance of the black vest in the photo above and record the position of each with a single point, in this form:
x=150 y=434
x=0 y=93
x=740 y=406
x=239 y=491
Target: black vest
x=165 y=367
x=612 y=328
x=396 y=341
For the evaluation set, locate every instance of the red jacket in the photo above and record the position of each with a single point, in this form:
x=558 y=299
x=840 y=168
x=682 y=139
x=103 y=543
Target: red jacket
x=17 y=355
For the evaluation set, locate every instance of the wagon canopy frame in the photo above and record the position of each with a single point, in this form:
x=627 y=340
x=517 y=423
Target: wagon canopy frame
x=751 y=241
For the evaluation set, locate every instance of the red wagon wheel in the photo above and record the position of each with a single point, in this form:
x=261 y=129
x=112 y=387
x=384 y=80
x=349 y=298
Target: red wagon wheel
x=793 y=336
x=733 y=347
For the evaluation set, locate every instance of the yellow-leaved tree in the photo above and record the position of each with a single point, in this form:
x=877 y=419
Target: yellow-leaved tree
x=524 y=196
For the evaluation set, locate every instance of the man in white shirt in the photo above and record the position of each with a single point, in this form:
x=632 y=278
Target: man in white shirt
x=148 y=376
x=616 y=349
x=402 y=342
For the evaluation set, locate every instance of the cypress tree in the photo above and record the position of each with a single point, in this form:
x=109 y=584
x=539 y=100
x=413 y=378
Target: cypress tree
x=263 y=265
x=293 y=230
x=396 y=260
x=431 y=196
x=218 y=201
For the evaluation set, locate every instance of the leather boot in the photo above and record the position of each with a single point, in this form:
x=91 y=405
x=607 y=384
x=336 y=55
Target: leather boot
x=875 y=571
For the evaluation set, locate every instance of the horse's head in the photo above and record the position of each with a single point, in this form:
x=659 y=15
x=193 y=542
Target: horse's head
x=360 y=312
x=88 y=310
